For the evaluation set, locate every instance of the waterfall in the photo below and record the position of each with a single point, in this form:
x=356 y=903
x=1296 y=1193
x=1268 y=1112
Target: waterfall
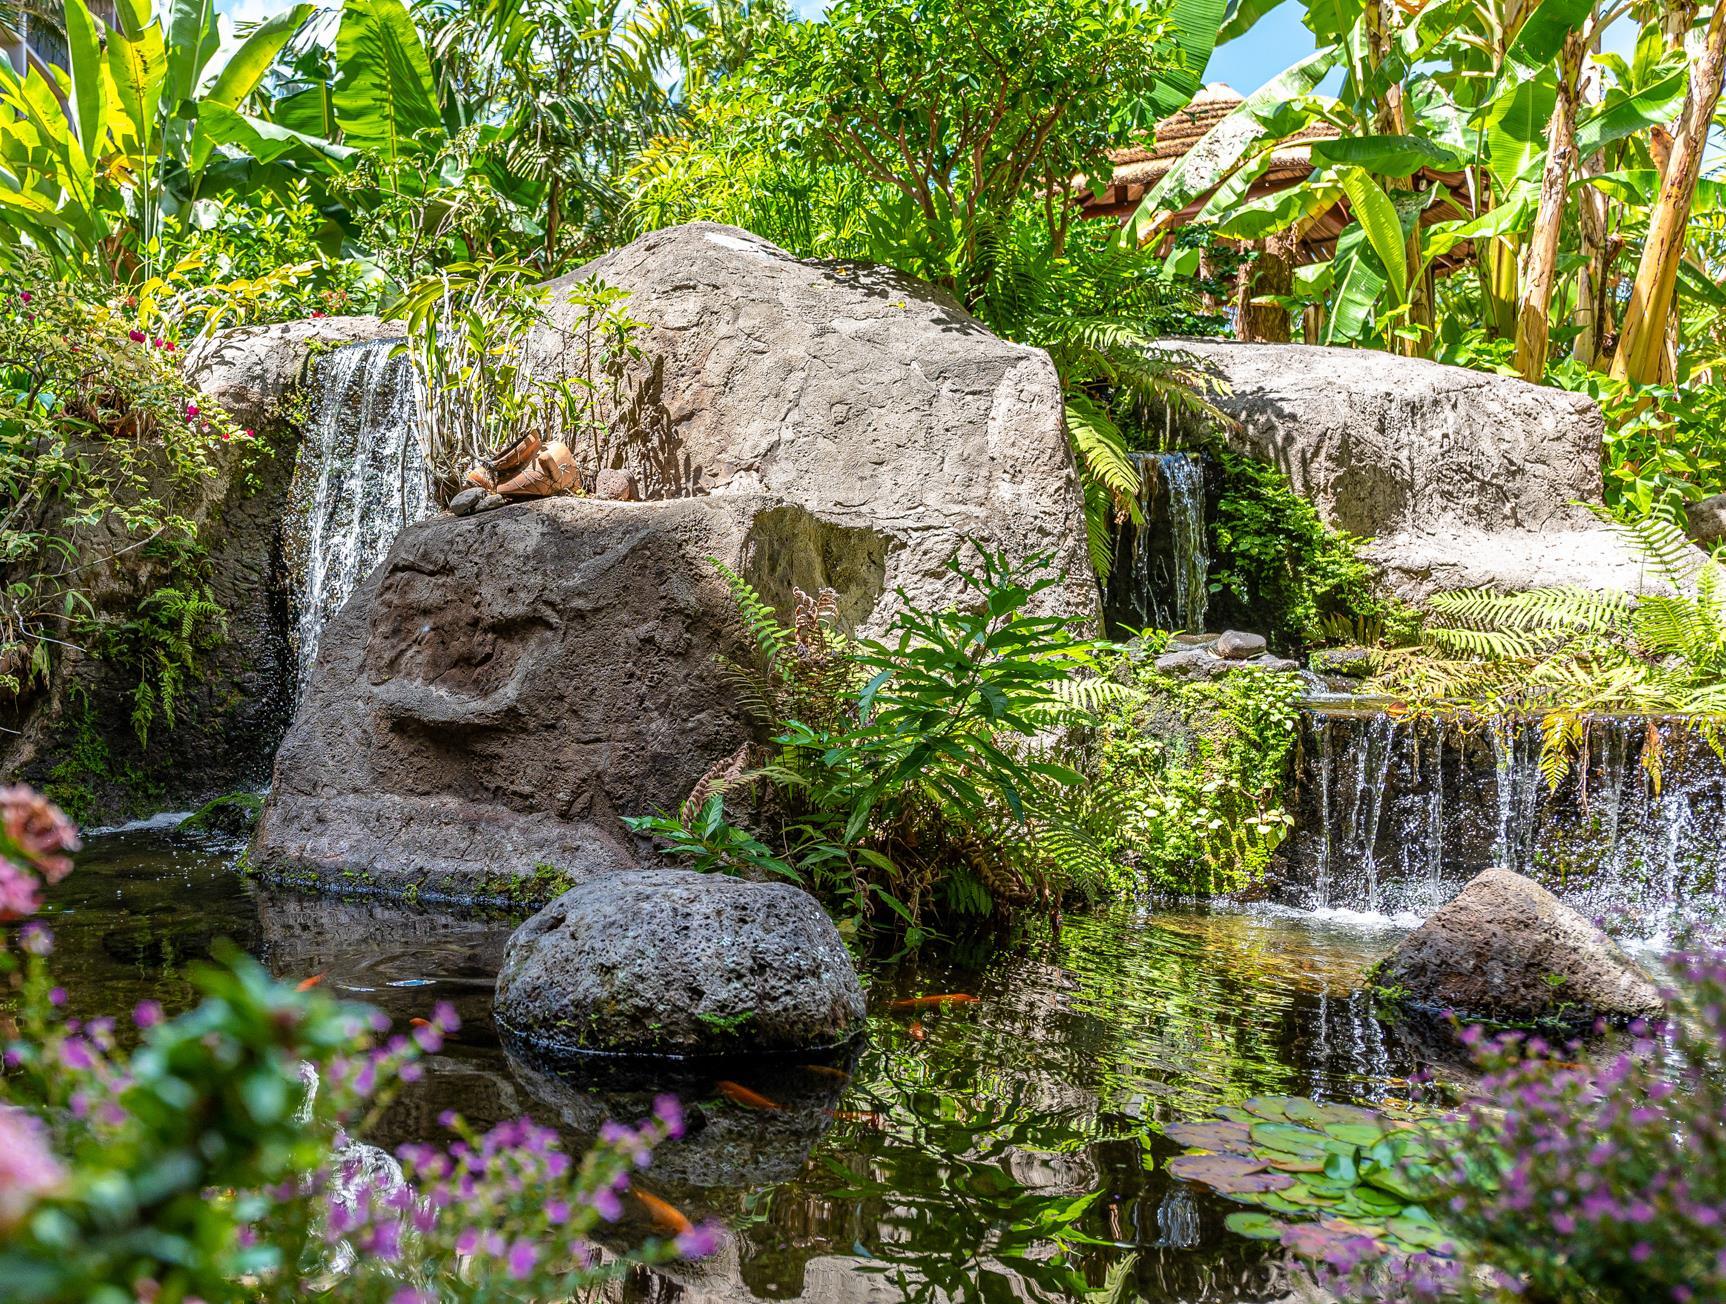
x=1162 y=568
x=1396 y=815
x=360 y=479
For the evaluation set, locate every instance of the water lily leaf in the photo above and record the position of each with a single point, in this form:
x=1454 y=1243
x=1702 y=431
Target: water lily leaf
x=1255 y=1226
x=1277 y=1203
x=1322 y=1114
x=1341 y=1168
x=1293 y=1140
x=1217 y=1135
x=1355 y=1134
x=1235 y=1114
x=1377 y=1203
x=1301 y=1193
x=1295 y=1163
x=1414 y=1227
x=1228 y=1174
x=1271 y=1109
x=1317 y=1240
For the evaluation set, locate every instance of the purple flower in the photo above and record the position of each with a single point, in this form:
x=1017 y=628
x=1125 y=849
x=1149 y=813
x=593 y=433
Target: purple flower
x=698 y=1242
x=522 y=1258
x=148 y=1014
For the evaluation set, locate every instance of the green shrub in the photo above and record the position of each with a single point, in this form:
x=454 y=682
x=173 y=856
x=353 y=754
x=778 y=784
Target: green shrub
x=1285 y=571
x=913 y=773
x=1188 y=779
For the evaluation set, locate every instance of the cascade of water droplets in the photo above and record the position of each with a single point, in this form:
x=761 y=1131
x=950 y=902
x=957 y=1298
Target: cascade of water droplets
x=1172 y=484
x=361 y=479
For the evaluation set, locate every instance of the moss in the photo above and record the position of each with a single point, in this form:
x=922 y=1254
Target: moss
x=235 y=813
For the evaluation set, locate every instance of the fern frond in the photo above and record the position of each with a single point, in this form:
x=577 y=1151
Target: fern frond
x=771 y=638
x=1560 y=737
x=1666 y=548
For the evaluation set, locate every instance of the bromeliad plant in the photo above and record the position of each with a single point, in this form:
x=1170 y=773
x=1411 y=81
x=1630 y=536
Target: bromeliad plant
x=915 y=772
x=213 y=1158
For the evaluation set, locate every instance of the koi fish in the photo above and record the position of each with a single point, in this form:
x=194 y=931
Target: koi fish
x=922 y=1002
x=872 y=1117
x=310 y=983
x=419 y=1023
x=918 y=1033
x=667 y=1217
x=738 y=1094
x=826 y=1071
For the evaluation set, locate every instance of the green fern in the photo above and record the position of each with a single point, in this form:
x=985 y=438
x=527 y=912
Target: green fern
x=771 y=638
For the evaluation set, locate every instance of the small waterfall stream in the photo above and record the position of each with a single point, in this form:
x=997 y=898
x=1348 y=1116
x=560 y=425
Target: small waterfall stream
x=1162 y=566
x=360 y=480
x=1396 y=815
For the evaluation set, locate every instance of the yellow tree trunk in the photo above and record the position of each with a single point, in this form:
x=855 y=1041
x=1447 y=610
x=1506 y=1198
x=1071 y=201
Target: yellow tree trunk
x=1642 y=344
x=1533 y=315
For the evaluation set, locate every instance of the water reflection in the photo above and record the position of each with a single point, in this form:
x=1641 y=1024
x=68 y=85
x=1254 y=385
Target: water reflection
x=1006 y=1147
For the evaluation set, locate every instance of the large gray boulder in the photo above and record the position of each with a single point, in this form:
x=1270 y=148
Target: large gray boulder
x=869 y=398
x=1459 y=478
x=1506 y=950
x=506 y=686
x=669 y=962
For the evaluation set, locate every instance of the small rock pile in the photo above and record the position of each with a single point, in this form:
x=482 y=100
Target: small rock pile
x=1207 y=656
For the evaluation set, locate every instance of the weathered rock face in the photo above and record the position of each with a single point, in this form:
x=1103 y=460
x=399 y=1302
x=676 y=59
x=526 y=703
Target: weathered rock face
x=1460 y=478
x=506 y=685
x=867 y=397
x=228 y=718
x=1507 y=950
x=669 y=962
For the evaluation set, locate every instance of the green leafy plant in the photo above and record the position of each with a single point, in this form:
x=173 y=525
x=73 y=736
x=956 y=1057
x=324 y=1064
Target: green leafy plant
x=906 y=773
x=1276 y=562
x=1187 y=780
x=105 y=448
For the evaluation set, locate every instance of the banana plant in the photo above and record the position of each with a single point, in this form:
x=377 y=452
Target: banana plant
x=94 y=157
x=1459 y=86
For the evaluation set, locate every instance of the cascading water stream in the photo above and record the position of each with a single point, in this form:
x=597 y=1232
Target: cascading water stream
x=361 y=479
x=1162 y=567
x=1398 y=814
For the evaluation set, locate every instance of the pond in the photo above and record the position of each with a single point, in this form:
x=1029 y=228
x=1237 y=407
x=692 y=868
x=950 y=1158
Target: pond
x=1001 y=1147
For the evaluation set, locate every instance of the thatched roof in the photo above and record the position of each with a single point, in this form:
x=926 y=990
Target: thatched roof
x=1139 y=166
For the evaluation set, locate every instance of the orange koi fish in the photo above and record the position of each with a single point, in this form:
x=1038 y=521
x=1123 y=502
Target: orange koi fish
x=310 y=983
x=922 y=1002
x=667 y=1217
x=738 y=1094
x=826 y=1071
x=918 y=1032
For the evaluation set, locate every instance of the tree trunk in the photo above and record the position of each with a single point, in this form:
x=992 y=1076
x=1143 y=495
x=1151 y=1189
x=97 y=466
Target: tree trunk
x=1533 y=317
x=1652 y=298
x=1592 y=213
x=1270 y=274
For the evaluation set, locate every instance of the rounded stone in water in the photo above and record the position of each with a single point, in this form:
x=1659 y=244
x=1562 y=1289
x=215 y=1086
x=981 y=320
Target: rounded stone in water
x=669 y=962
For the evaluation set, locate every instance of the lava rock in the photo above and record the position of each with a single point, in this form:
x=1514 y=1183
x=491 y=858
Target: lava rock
x=615 y=485
x=1236 y=646
x=461 y=674
x=491 y=502
x=1201 y=663
x=1707 y=520
x=1505 y=950
x=467 y=502
x=670 y=962
x=1182 y=641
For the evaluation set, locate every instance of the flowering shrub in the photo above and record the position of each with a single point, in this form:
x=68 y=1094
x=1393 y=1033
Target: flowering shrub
x=1573 y=1182
x=104 y=444
x=216 y=1159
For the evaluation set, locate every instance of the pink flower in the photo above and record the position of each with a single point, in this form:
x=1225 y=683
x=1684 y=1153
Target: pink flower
x=191 y=411
x=27 y=1170
x=148 y=1014
x=320 y=313
x=158 y=342
x=19 y=892
x=169 y=346
x=25 y=297
x=227 y=435
x=698 y=1242
x=38 y=831
x=249 y=434
x=137 y=337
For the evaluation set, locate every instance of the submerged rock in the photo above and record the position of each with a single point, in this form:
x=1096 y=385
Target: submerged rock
x=669 y=962
x=505 y=686
x=1505 y=950
x=1459 y=478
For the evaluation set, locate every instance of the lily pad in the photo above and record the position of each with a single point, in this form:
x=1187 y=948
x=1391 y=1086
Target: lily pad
x=1294 y=1163
x=1323 y=1115
x=1321 y=1241
x=1270 y=1109
x=1228 y=1174
x=1255 y=1226
x=1292 y=1140
x=1233 y=1138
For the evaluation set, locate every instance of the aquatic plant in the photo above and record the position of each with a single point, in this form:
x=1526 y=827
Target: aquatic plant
x=1562 y=1179
x=216 y=1157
